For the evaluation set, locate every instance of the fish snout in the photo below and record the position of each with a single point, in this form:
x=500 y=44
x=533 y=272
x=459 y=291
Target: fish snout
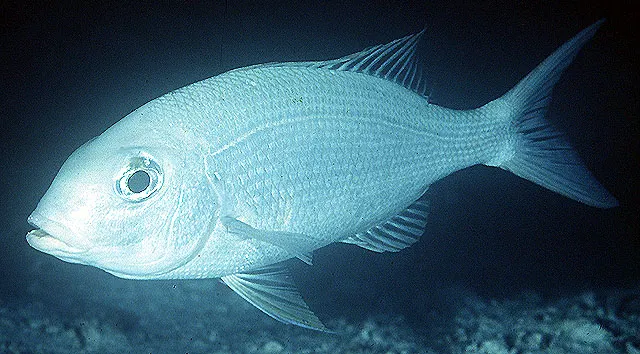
x=53 y=237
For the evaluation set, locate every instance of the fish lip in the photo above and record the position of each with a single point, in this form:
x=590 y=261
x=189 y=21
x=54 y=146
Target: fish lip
x=52 y=237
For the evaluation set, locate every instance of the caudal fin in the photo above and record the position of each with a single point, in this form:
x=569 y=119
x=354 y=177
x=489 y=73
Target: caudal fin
x=540 y=153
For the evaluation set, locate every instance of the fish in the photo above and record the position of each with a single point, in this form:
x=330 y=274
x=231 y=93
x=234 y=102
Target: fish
x=231 y=176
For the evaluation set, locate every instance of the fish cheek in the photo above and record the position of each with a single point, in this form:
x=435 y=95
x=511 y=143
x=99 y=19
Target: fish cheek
x=163 y=237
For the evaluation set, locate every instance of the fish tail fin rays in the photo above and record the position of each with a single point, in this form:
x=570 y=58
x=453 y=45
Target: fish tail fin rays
x=538 y=152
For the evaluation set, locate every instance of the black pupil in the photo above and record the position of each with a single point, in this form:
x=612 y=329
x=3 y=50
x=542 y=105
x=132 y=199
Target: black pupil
x=139 y=181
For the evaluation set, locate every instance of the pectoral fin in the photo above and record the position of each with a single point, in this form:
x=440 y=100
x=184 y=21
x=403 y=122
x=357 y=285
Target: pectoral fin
x=271 y=290
x=296 y=244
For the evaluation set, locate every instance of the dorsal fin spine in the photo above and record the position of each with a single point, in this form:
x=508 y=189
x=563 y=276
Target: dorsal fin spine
x=394 y=61
x=408 y=50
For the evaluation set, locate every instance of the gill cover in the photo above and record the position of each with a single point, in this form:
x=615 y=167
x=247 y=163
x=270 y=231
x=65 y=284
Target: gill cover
x=169 y=217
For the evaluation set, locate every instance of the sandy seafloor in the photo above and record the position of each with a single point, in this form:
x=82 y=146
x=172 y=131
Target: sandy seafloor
x=205 y=317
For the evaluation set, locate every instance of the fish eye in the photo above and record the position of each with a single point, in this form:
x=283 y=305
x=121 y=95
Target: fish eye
x=139 y=179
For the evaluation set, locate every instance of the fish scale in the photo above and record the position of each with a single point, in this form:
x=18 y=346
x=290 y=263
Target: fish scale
x=341 y=153
x=346 y=133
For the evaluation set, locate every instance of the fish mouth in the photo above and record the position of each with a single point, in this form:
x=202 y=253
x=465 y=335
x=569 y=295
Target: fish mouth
x=53 y=237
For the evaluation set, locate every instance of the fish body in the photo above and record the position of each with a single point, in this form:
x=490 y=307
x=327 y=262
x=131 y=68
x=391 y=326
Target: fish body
x=258 y=165
x=302 y=158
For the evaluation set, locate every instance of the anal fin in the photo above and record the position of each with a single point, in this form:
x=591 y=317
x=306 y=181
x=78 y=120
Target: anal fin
x=399 y=232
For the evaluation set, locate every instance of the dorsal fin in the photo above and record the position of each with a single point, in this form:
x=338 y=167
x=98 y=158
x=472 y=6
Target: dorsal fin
x=395 y=61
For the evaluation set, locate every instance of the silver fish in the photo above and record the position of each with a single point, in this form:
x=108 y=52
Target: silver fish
x=230 y=176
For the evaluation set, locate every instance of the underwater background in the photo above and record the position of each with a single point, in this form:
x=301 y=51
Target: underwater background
x=504 y=265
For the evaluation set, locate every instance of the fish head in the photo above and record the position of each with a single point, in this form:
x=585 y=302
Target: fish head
x=136 y=207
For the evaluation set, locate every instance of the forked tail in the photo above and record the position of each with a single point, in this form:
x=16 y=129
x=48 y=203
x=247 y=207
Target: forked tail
x=537 y=151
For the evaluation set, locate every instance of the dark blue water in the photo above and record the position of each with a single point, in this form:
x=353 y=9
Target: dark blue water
x=71 y=70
